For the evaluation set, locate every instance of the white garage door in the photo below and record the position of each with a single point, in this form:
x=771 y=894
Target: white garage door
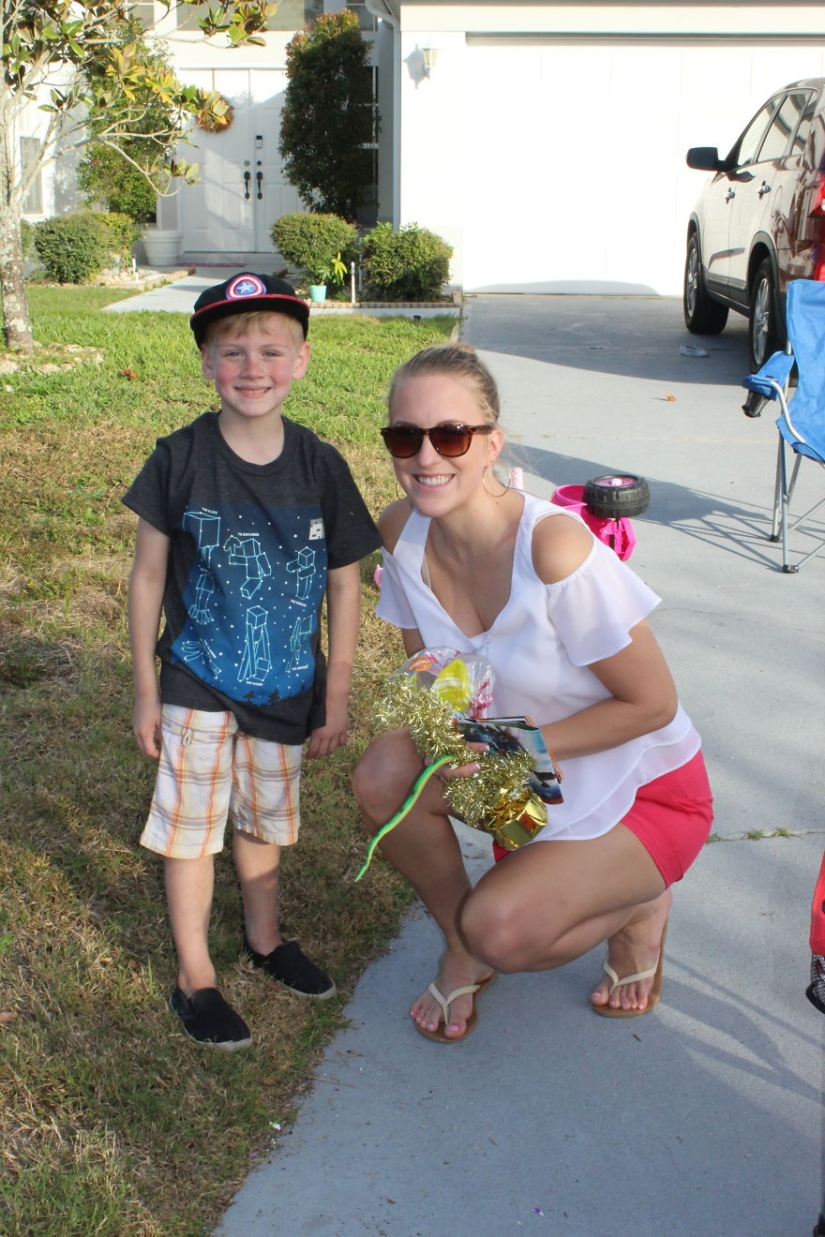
x=576 y=170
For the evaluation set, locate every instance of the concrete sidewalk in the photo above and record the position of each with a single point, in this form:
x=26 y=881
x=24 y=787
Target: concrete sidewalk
x=705 y=1117
x=180 y=295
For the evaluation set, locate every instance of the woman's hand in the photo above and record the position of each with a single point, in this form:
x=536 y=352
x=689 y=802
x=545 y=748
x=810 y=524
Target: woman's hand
x=450 y=772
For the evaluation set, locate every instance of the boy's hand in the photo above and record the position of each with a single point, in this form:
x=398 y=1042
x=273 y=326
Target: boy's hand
x=146 y=727
x=332 y=735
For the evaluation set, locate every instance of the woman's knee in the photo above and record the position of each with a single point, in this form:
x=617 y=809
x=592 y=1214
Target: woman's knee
x=493 y=933
x=383 y=775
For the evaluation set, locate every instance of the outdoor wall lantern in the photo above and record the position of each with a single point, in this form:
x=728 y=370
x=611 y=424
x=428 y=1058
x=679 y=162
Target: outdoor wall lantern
x=430 y=55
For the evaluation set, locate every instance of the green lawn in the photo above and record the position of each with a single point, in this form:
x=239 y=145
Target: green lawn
x=111 y=1124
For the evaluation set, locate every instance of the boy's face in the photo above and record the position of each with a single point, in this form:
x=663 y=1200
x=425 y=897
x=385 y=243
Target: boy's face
x=253 y=366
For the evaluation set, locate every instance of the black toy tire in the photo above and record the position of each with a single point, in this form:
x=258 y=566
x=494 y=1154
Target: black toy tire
x=605 y=498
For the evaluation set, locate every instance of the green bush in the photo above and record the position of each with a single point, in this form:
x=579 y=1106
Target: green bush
x=312 y=242
x=26 y=237
x=411 y=264
x=123 y=231
x=73 y=248
x=329 y=118
x=108 y=180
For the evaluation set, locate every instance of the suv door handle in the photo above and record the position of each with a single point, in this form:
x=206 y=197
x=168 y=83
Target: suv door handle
x=763 y=189
x=731 y=193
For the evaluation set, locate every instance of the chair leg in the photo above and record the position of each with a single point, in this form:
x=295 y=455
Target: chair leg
x=778 y=489
x=787 y=526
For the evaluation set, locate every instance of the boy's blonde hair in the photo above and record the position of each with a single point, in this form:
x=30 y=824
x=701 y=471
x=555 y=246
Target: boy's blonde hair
x=242 y=323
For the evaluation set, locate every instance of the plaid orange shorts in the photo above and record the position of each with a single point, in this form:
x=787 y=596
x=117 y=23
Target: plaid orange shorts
x=209 y=772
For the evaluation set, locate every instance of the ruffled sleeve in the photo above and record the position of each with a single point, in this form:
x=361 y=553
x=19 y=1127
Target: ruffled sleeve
x=393 y=606
x=594 y=609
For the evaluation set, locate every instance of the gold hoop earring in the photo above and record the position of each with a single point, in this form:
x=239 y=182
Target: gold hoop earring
x=505 y=485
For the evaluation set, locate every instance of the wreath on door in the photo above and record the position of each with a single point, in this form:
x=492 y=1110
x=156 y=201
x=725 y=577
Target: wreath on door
x=219 y=118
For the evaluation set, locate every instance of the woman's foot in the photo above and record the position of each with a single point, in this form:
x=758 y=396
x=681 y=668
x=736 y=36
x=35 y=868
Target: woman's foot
x=634 y=950
x=457 y=970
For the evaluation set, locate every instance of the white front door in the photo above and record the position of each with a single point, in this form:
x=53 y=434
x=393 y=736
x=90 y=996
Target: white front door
x=242 y=190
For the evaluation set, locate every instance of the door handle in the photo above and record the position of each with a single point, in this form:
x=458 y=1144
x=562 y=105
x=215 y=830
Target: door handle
x=731 y=193
x=247 y=176
x=259 y=176
x=763 y=189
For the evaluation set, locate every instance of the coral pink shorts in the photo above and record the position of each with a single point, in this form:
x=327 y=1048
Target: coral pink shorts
x=671 y=816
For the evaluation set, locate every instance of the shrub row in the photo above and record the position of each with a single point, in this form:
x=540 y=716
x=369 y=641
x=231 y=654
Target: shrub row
x=75 y=248
x=410 y=264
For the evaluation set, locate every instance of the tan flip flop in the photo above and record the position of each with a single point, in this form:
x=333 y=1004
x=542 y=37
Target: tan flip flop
x=438 y=1036
x=653 y=997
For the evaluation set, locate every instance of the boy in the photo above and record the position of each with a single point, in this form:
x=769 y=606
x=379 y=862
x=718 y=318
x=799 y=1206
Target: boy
x=246 y=521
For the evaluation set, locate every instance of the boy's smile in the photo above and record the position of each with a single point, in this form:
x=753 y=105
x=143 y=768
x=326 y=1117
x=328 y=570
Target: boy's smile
x=253 y=368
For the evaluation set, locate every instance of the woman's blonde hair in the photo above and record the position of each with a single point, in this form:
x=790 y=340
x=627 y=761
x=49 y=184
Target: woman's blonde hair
x=454 y=361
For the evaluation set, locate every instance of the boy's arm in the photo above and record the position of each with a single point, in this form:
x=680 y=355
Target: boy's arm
x=146 y=587
x=343 y=618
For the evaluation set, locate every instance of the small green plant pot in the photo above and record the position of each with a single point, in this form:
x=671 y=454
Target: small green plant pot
x=317 y=292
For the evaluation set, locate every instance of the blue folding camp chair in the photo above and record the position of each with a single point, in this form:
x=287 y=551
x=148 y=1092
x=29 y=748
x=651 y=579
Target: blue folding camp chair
x=801 y=422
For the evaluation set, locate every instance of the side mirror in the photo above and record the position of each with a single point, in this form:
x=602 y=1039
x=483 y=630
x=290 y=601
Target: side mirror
x=704 y=159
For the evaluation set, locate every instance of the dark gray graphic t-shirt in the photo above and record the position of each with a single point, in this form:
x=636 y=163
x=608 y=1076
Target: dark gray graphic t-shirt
x=250 y=548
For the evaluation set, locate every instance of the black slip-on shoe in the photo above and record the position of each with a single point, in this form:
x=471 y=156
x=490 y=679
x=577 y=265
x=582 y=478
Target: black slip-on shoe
x=292 y=968
x=210 y=1020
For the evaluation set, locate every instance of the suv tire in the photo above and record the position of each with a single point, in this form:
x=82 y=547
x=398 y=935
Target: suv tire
x=703 y=316
x=617 y=496
x=765 y=334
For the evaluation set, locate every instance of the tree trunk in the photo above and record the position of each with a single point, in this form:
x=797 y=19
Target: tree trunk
x=17 y=330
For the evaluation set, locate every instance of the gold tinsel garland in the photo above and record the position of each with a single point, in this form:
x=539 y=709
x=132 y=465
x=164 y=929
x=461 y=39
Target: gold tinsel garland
x=496 y=799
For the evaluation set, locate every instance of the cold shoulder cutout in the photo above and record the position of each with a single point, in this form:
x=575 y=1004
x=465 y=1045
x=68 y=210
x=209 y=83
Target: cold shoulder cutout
x=560 y=547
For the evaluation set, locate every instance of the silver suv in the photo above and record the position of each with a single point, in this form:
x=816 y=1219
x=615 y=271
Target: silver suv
x=760 y=220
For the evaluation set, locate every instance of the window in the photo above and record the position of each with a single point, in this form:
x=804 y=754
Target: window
x=783 y=128
x=751 y=139
x=290 y=15
x=30 y=152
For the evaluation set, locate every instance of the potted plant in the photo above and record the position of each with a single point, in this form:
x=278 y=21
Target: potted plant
x=319 y=276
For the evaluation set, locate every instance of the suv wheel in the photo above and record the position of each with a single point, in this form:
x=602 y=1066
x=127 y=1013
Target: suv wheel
x=703 y=316
x=764 y=328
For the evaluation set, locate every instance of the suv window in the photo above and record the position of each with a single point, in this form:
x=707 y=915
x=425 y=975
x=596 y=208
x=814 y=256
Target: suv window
x=801 y=139
x=745 y=152
x=784 y=127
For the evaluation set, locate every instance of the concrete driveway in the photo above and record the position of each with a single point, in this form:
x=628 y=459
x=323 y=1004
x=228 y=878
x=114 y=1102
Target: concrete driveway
x=705 y=1117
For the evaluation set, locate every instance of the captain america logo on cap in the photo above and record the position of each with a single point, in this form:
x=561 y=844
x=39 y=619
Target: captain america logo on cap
x=245 y=285
x=247 y=293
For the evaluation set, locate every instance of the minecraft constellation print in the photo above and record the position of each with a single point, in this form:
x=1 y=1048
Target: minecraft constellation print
x=246 y=552
x=200 y=650
x=301 y=630
x=303 y=568
x=206 y=529
x=256 y=662
x=199 y=611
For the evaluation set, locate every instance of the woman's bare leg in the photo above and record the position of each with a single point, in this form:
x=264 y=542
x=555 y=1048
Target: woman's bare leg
x=424 y=848
x=551 y=902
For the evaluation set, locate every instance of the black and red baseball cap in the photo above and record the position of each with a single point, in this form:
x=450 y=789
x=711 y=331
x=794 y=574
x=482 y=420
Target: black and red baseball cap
x=246 y=294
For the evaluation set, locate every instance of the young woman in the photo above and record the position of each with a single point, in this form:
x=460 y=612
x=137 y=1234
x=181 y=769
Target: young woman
x=473 y=565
